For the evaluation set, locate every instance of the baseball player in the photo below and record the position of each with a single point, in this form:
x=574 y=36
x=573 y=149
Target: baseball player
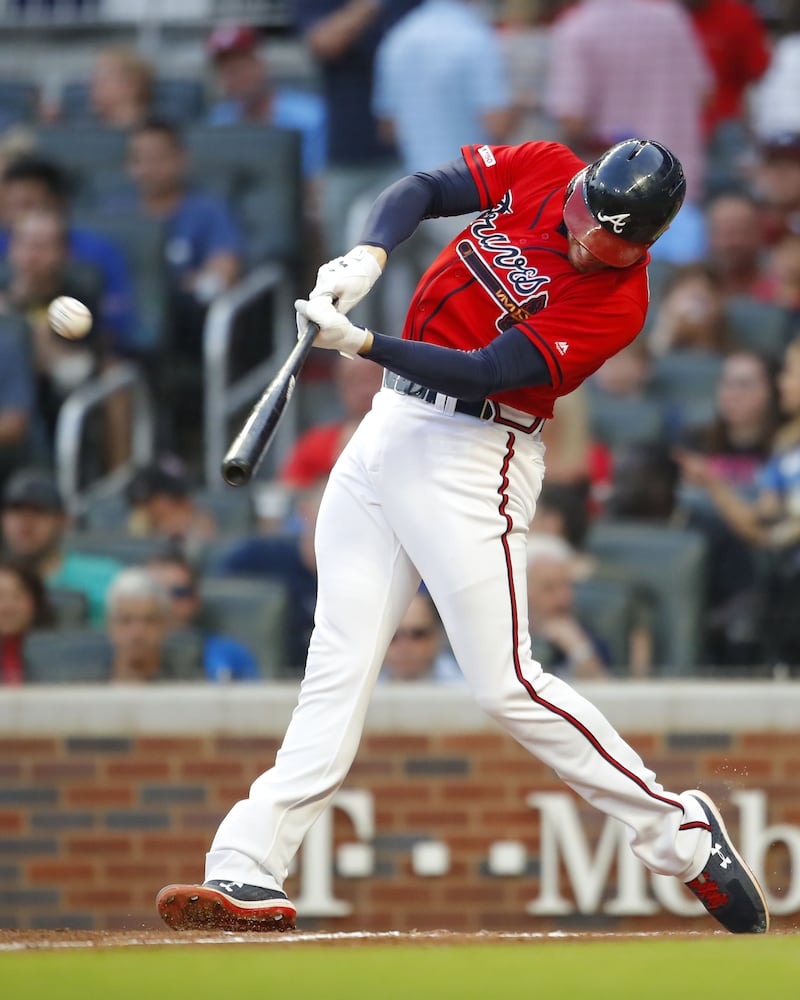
x=441 y=479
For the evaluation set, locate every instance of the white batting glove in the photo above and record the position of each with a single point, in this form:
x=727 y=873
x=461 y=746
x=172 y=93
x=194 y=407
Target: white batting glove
x=347 y=279
x=336 y=332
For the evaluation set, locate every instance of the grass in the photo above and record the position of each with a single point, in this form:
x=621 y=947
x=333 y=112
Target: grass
x=713 y=968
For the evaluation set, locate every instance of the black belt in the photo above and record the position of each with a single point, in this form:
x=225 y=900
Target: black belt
x=483 y=409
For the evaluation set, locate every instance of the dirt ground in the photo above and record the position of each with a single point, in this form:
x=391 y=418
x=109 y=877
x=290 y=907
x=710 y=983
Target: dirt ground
x=15 y=940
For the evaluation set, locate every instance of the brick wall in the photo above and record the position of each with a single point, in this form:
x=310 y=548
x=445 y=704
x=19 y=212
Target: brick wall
x=93 y=824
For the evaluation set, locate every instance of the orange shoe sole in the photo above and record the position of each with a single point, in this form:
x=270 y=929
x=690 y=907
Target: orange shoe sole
x=197 y=907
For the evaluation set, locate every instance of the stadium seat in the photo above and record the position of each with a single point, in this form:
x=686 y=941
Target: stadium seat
x=668 y=563
x=260 y=164
x=73 y=103
x=606 y=608
x=104 y=191
x=686 y=375
x=128 y=549
x=620 y=421
x=19 y=102
x=83 y=656
x=232 y=509
x=70 y=607
x=685 y=382
x=83 y=150
x=183 y=656
x=35 y=450
x=180 y=100
x=61 y=656
x=141 y=241
x=13 y=324
x=659 y=274
x=107 y=514
x=252 y=611
x=762 y=326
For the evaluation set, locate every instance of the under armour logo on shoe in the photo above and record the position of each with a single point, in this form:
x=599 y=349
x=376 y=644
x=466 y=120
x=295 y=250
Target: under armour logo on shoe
x=230 y=886
x=723 y=860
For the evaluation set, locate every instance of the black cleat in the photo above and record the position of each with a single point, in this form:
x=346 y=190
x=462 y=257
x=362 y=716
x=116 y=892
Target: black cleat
x=225 y=906
x=726 y=886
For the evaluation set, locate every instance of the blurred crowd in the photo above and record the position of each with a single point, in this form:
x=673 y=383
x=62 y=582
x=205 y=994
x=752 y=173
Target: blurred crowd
x=667 y=539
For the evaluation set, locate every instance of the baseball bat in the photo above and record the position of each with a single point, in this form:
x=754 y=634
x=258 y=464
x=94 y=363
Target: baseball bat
x=252 y=442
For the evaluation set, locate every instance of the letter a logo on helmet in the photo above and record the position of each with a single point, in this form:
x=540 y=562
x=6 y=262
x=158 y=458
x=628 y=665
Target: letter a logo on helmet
x=620 y=204
x=617 y=221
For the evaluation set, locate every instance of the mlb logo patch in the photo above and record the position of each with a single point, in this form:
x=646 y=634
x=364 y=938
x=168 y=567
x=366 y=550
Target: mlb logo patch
x=486 y=155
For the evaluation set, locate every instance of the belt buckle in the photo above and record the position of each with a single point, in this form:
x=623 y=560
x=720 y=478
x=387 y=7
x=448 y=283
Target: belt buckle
x=487 y=410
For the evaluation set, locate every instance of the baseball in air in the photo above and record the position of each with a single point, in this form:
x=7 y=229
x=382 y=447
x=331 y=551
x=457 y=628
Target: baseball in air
x=69 y=317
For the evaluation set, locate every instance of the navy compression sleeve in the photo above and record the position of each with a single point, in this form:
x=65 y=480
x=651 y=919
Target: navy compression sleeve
x=397 y=211
x=511 y=361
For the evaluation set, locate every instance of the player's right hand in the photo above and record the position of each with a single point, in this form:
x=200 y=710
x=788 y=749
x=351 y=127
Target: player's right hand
x=336 y=332
x=348 y=279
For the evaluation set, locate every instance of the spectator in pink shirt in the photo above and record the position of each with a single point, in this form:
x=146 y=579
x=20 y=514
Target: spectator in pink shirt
x=634 y=67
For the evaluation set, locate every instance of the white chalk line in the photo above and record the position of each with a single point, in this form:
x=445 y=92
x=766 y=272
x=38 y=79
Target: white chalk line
x=132 y=940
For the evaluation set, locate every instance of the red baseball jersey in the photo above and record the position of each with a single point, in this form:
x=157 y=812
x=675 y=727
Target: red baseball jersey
x=510 y=267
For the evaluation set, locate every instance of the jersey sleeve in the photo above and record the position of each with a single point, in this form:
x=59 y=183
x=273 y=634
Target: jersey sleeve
x=578 y=333
x=495 y=168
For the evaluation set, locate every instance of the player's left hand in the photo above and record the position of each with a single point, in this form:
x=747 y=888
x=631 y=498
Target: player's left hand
x=348 y=279
x=336 y=332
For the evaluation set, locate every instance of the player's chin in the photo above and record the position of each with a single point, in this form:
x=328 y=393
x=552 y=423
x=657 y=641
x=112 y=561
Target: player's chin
x=583 y=260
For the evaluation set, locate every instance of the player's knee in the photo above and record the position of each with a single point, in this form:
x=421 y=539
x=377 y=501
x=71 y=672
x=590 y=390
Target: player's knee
x=489 y=702
x=497 y=699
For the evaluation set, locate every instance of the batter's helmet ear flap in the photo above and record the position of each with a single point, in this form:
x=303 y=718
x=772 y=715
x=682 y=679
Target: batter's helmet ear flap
x=619 y=205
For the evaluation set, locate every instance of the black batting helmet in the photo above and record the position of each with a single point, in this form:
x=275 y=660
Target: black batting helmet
x=620 y=204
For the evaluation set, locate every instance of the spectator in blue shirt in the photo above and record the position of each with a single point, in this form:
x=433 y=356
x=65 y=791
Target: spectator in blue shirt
x=430 y=99
x=248 y=96
x=203 y=241
x=224 y=659
x=203 y=256
x=17 y=400
x=441 y=83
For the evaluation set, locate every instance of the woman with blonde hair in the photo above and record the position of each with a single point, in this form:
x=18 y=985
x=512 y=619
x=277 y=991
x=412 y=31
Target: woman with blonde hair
x=121 y=88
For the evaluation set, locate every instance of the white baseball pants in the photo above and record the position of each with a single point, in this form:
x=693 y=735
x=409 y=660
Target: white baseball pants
x=417 y=492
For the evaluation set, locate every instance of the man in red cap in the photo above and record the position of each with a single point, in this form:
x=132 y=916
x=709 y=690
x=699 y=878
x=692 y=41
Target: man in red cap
x=248 y=95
